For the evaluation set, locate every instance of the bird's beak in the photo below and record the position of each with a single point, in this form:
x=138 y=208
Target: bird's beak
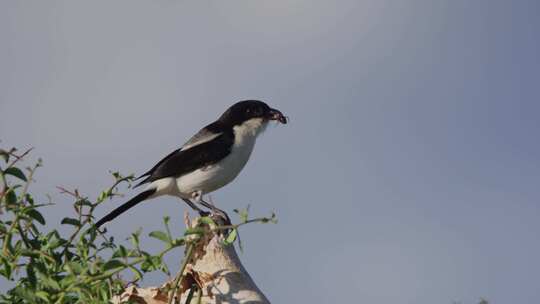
x=274 y=114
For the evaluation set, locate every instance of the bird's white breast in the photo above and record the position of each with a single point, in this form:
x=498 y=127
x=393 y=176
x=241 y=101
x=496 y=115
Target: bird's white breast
x=218 y=175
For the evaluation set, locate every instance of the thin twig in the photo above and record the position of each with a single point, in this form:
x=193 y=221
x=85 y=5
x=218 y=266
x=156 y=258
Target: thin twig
x=16 y=221
x=178 y=279
x=259 y=219
x=18 y=157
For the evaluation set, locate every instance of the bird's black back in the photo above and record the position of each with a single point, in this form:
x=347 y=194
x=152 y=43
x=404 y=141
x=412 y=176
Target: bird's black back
x=181 y=161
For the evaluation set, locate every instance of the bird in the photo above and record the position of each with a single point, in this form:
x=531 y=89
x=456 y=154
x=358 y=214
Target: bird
x=209 y=160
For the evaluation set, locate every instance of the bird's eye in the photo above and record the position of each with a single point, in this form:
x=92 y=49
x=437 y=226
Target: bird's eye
x=248 y=111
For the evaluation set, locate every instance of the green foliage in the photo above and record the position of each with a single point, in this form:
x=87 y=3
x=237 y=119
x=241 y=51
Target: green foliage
x=84 y=265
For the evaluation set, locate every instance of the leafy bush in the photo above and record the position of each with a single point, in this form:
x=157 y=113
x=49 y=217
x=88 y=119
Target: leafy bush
x=81 y=267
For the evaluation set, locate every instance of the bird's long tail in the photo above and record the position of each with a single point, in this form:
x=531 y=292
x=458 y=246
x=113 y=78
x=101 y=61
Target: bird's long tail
x=124 y=207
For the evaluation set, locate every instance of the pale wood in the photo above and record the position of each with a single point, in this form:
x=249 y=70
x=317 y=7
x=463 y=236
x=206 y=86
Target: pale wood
x=214 y=267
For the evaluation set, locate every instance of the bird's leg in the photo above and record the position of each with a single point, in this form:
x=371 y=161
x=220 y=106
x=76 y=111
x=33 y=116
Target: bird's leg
x=194 y=207
x=216 y=210
x=198 y=198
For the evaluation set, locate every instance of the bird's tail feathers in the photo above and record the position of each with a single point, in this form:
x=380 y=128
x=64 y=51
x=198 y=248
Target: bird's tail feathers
x=144 y=181
x=124 y=207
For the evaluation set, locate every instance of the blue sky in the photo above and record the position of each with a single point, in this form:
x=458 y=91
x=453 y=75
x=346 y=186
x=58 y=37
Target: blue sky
x=409 y=172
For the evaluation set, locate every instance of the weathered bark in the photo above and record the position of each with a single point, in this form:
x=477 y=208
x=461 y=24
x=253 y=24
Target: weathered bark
x=215 y=270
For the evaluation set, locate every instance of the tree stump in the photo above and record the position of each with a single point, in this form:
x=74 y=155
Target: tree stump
x=214 y=274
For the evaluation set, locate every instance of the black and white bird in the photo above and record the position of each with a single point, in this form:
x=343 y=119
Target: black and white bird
x=211 y=159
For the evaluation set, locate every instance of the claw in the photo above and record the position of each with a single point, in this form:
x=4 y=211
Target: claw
x=204 y=213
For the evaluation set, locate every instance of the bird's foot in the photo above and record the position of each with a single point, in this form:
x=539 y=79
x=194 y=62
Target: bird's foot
x=204 y=213
x=221 y=216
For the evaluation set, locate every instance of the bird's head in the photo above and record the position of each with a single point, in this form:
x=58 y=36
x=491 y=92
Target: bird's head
x=248 y=111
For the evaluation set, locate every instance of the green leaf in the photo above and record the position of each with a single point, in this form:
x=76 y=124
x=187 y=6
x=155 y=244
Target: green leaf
x=50 y=282
x=194 y=230
x=31 y=275
x=178 y=242
x=243 y=213
x=29 y=199
x=103 y=195
x=83 y=202
x=10 y=197
x=135 y=237
x=55 y=240
x=26 y=294
x=165 y=269
x=116 y=175
x=138 y=274
x=160 y=235
x=112 y=264
x=36 y=215
x=207 y=220
x=70 y=221
x=40 y=268
x=43 y=295
x=74 y=267
x=6 y=269
x=30 y=253
x=133 y=253
x=15 y=172
x=231 y=237
x=152 y=263
x=121 y=252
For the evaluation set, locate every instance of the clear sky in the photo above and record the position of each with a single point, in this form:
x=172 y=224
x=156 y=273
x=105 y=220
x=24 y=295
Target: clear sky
x=410 y=171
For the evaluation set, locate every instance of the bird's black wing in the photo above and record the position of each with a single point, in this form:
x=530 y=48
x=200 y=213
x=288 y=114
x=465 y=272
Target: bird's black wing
x=207 y=133
x=197 y=156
